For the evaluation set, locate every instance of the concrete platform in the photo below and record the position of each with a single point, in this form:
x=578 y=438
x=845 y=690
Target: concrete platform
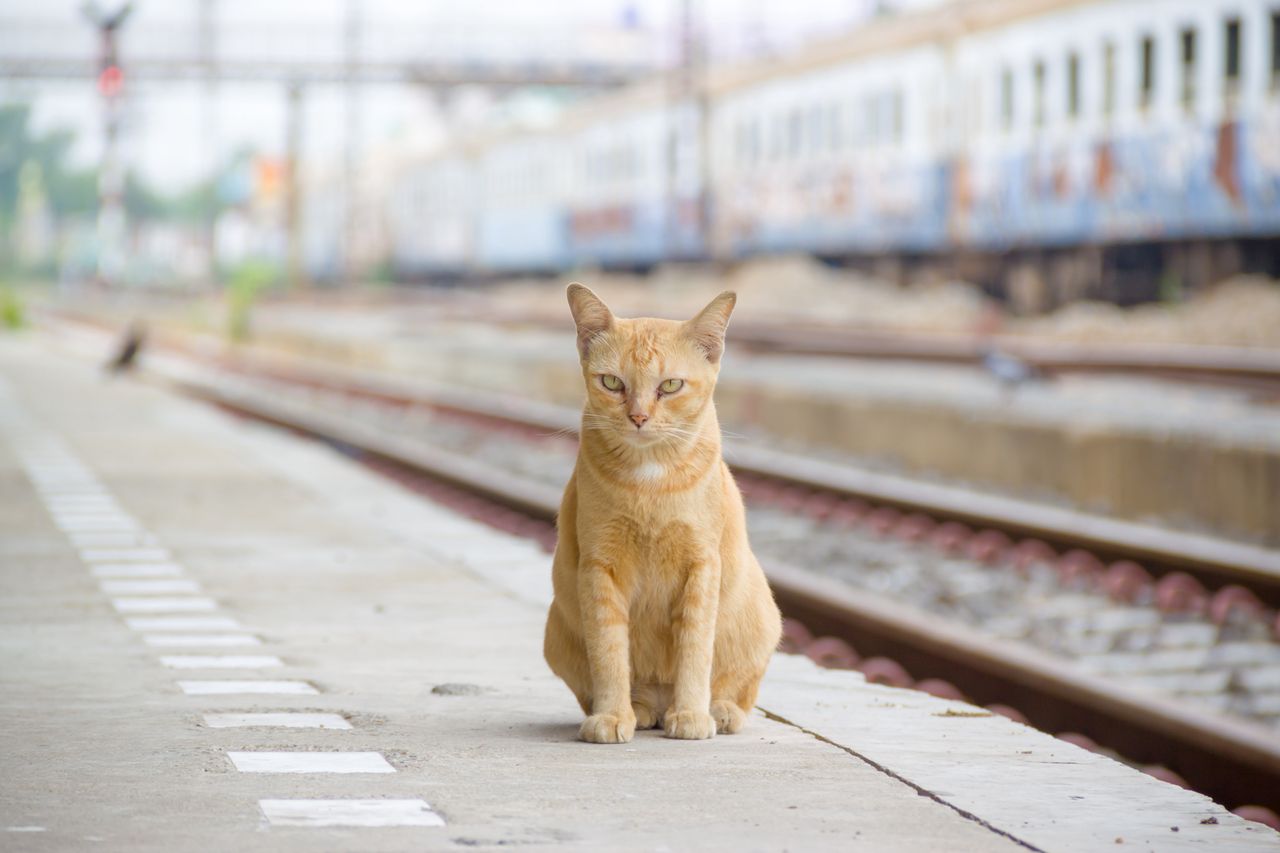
x=421 y=631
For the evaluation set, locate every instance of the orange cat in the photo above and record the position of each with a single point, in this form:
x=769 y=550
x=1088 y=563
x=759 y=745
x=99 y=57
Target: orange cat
x=661 y=616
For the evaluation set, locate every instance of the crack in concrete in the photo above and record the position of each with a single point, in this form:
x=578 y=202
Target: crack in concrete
x=967 y=815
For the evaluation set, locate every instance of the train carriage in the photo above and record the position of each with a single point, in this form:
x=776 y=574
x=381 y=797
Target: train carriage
x=987 y=130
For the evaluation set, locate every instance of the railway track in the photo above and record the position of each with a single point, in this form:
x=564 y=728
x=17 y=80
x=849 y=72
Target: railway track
x=1236 y=763
x=1184 y=568
x=1253 y=370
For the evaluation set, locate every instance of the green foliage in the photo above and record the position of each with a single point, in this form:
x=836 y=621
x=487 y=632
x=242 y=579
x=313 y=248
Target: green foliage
x=140 y=201
x=70 y=191
x=1171 y=289
x=196 y=204
x=246 y=284
x=74 y=192
x=13 y=314
x=383 y=272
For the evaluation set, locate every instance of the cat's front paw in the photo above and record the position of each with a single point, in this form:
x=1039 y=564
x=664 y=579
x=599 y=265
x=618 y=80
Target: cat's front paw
x=646 y=717
x=728 y=716
x=607 y=728
x=689 y=725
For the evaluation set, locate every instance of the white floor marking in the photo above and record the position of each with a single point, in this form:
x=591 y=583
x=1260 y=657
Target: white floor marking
x=221 y=661
x=91 y=511
x=310 y=762
x=83 y=506
x=95 y=523
x=78 y=528
x=225 y=688
x=115 y=555
x=136 y=570
x=277 y=720
x=76 y=500
x=48 y=496
x=108 y=540
x=98 y=526
x=64 y=509
x=201 y=640
x=161 y=604
x=370 y=813
x=25 y=829
x=183 y=623
x=149 y=587
x=88 y=512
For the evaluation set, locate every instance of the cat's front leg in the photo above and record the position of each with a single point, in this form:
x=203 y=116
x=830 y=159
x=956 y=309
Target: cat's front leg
x=605 y=623
x=694 y=628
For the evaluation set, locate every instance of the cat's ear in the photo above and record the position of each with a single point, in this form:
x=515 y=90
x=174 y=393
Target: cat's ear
x=707 y=329
x=591 y=315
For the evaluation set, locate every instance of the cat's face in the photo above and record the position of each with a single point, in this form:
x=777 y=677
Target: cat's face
x=648 y=381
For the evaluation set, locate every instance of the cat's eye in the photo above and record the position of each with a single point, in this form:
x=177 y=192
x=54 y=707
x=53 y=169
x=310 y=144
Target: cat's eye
x=671 y=386
x=611 y=382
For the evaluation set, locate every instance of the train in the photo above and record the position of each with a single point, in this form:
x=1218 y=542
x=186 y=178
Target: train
x=1046 y=149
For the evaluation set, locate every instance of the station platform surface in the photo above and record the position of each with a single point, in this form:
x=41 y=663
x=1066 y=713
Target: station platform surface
x=168 y=574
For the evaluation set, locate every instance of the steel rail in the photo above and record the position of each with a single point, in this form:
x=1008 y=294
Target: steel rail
x=1255 y=370
x=1214 y=561
x=1233 y=762
x=1252 y=369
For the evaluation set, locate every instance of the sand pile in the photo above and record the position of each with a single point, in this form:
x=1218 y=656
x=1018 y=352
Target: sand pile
x=794 y=288
x=1240 y=311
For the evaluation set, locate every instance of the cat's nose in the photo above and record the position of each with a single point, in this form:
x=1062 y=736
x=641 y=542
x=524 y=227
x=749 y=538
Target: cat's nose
x=638 y=418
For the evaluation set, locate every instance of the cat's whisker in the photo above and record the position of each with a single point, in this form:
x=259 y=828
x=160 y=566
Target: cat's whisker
x=563 y=432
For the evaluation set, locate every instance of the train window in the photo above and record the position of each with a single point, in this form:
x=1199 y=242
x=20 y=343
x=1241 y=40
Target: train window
x=1073 y=85
x=1108 y=79
x=1187 y=38
x=795 y=132
x=895 y=115
x=1037 y=94
x=973 y=107
x=835 y=130
x=1147 y=72
x=1231 y=54
x=817 y=135
x=1006 y=99
x=1275 y=49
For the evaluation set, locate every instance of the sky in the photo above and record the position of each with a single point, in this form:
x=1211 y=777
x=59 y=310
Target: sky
x=174 y=131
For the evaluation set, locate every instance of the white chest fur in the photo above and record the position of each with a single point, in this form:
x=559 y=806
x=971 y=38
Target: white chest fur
x=649 y=472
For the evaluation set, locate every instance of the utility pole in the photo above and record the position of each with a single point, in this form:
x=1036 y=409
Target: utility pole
x=111 y=214
x=208 y=58
x=294 y=275
x=351 y=152
x=688 y=231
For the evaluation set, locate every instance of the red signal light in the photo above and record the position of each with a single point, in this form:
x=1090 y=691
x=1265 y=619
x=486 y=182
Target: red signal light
x=111 y=81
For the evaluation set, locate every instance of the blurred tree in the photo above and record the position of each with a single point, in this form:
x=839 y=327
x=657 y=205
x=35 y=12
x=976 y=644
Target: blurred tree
x=141 y=202
x=73 y=192
x=193 y=204
x=68 y=191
